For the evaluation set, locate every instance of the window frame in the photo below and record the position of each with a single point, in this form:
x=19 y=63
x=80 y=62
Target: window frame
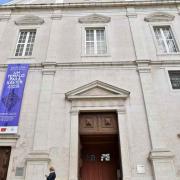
x=26 y=41
x=95 y=41
x=169 y=80
x=163 y=24
x=83 y=43
x=15 y=32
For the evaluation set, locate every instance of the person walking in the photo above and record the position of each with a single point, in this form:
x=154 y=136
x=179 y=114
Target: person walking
x=52 y=174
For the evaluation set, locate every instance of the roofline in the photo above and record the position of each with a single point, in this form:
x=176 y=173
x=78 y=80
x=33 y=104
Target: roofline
x=91 y=4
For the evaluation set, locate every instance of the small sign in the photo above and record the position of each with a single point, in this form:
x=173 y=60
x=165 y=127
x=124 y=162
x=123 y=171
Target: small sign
x=19 y=171
x=91 y=157
x=105 y=157
x=140 y=169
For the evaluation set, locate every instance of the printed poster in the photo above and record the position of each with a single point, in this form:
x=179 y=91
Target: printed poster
x=11 y=97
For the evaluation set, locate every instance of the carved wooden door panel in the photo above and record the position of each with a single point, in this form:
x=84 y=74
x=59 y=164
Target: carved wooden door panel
x=98 y=123
x=4 y=161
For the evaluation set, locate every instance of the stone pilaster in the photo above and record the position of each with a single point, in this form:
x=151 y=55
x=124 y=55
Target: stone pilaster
x=74 y=146
x=4 y=22
x=38 y=160
x=161 y=157
x=124 y=144
x=136 y=27
x=44 y=106
x=53 y=47
x=163 y=164
x=37 y=166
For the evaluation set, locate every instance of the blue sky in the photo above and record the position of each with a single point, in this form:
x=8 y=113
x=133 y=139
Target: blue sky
x=4 y=1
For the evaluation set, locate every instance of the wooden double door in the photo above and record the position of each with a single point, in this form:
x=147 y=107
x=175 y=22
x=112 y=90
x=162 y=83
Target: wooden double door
x=99 y=152
x=4 y=161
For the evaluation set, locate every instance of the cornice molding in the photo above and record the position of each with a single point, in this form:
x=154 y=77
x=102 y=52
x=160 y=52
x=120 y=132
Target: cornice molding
x=94 y=18
x=9 y=139
x=49 y=68
x=143 y=66
x=38 y=156
x=159 y=16
x=56 y=16
x=121 y=110
x=131 y=12
x=74 y=112
x=121 y=64
x=4 y=17
x=92 y=4
x=160 y=154
x=29 y=20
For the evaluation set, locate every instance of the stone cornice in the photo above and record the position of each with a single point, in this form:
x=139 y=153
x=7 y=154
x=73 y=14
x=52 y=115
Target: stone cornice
x=74 y=112
x=9 y=136
x=56 y=16
x=49 y=68
x=143 y=66
x=38 y=156
x=4 y=17
x=131 y=12
x=92 y=4
x=121 y=110
x=160 y=154
x=9 y=139
x=123 y=64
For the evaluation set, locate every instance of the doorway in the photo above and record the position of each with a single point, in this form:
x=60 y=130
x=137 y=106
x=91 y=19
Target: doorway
x=4 y=161
x=99 y=147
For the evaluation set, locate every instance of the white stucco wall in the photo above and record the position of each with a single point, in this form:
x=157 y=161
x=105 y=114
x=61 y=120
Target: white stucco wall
x=60 y=40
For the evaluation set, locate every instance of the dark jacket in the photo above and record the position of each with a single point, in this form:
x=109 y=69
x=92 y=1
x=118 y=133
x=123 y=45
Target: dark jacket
x=52 y=176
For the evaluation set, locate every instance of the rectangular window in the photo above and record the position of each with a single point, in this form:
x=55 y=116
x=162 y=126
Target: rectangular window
x=165 y=39
x=175 y=79
x=25 y=43
x=95 y=41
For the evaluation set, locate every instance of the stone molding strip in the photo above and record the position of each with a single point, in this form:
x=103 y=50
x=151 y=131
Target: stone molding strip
x=160 y=154
x=92 y=4
x=4 y=17
x=92 y=64
x=9 y=139
x=49 y=68
x=56 y=16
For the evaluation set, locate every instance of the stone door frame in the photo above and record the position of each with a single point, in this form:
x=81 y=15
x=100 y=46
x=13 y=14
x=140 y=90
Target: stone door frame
x=74 y=140
x=9 y=140
x=93 y=97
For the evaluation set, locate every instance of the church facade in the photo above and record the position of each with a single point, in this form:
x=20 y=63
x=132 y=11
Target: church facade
x=101 y=98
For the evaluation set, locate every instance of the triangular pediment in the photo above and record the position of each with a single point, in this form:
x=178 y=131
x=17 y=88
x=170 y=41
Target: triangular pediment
x=159 y=16
x=29 y=20
x=97 y=89
x=95 y=18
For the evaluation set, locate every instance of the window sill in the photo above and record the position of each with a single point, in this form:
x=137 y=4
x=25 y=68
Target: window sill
x=95 y=55
x=168 y=54
x=21 y=57
x=174 y=90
